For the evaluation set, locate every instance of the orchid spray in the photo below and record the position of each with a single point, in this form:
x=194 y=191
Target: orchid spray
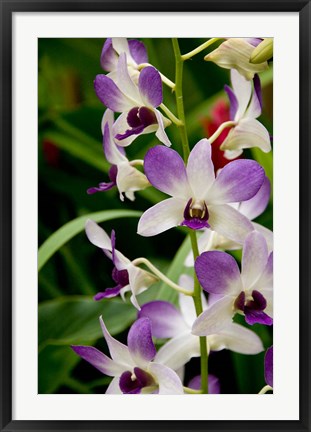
x=217 y=306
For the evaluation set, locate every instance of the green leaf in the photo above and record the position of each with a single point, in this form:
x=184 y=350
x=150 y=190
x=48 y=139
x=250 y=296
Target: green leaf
x=74 y=227
x=74 y=319
x=173 y=273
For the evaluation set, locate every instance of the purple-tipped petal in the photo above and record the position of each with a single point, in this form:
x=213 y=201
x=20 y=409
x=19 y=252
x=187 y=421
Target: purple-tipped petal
x=108 y=293
x=150 y=86
x=218 y=273
x=118 y=351
x=166 y=171
x=254 y=259
x=200 y=169
x=233 y=101
x=97 y=359
x=138 y=51
x=242 y=89
x=230 y=223
x=168 y=380
x=257 y=205
x=108 y=58
x=110 y=95
x=238 y=181
x=102 y=187
x=139 y=341
x=257 y=317
x=166 y=320
x=254 y=41
x=213 y=384
x=269 y=366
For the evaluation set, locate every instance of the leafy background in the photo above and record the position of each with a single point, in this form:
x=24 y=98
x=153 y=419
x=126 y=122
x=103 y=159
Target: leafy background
x=70 y=159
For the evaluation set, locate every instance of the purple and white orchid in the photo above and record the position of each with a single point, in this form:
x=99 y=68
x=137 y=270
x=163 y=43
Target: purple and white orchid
x=235 y=53
x=199 y=200
x=169 y=322
x=134 y=49
x=137 y=103
x=211 y=240
x=133 y=367
x=248 y=293
x=127 y=276
x=245 y=107
x=269 y=366
x=122 y=174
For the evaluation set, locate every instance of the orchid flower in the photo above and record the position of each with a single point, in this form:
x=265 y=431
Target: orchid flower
x=127 y=276
x=199 y=200
x=211 y=240
x=169 y=322
x=122 y=174
x=132 y=366
x=248 y=293
x=235 y=53
x=134 y=49
x=137 y=103
x=245 y=107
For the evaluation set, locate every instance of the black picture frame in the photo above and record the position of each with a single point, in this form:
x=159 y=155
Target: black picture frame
x=7 y=9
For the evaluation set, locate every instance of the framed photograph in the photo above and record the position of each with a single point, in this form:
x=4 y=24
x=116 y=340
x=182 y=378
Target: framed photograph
x=155 y=215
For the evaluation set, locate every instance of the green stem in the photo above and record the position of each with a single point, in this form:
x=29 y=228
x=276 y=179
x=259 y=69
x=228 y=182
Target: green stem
x=191 y=391
x=265 y=389
x=221 y=128
x=161 y=276
x=199 y=309
x=199 y=48
x=179 y=99
x=186 y=151
x=170 y=115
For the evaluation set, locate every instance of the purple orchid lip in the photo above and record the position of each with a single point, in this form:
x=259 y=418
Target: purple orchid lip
x=133 y=383
x=138 y=119
x=253 y=309
x=196 y=215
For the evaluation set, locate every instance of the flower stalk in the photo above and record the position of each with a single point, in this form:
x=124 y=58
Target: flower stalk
x=200 y=48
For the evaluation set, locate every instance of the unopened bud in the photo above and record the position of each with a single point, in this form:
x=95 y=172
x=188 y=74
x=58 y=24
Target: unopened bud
x=262 y=52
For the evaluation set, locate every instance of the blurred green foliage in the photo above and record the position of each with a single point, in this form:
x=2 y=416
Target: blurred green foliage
x=70 y=159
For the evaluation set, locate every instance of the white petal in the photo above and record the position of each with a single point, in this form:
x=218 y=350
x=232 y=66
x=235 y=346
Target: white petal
x=108 y=117
x=160 y=133
x=97 y=236
x=229 y=222
x=129 y=179
x=200 y=169
x=247 y=134
x=125 y=82
x=168 y=380
x=118 y=351
x=254 y=259
x=119 y=127
x=268 y=234
x=114 y=387
x=242 y=89
x=139 y=281
x=121 y=46
x=179 y=350
x=161 y=217
x=232 y=154
x=236 y=338
x=215 y=317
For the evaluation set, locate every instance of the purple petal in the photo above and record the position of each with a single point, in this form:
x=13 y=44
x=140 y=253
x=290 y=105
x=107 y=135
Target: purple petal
x=139 y=340
x=130 y=384
x=233 y=101
x=238 y=181
x=138 y=51
x=257 y=317
x=166 y=320
x=97 y=359
x=257 y=88
x=108 y=58
x=110 y=95
x=150 y=86
x=102 y=187
x=218 y=273
x=108 y=293
x=257 y=205
x=254 y=41
x=213 y=384
x=269 y=366
x=166 y=171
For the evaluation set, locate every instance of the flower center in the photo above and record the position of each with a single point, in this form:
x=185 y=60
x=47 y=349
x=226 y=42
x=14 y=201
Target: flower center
x=134 y=382
x=138 y=119
x=253 y=307
x=196 y=214
x=121 y=277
